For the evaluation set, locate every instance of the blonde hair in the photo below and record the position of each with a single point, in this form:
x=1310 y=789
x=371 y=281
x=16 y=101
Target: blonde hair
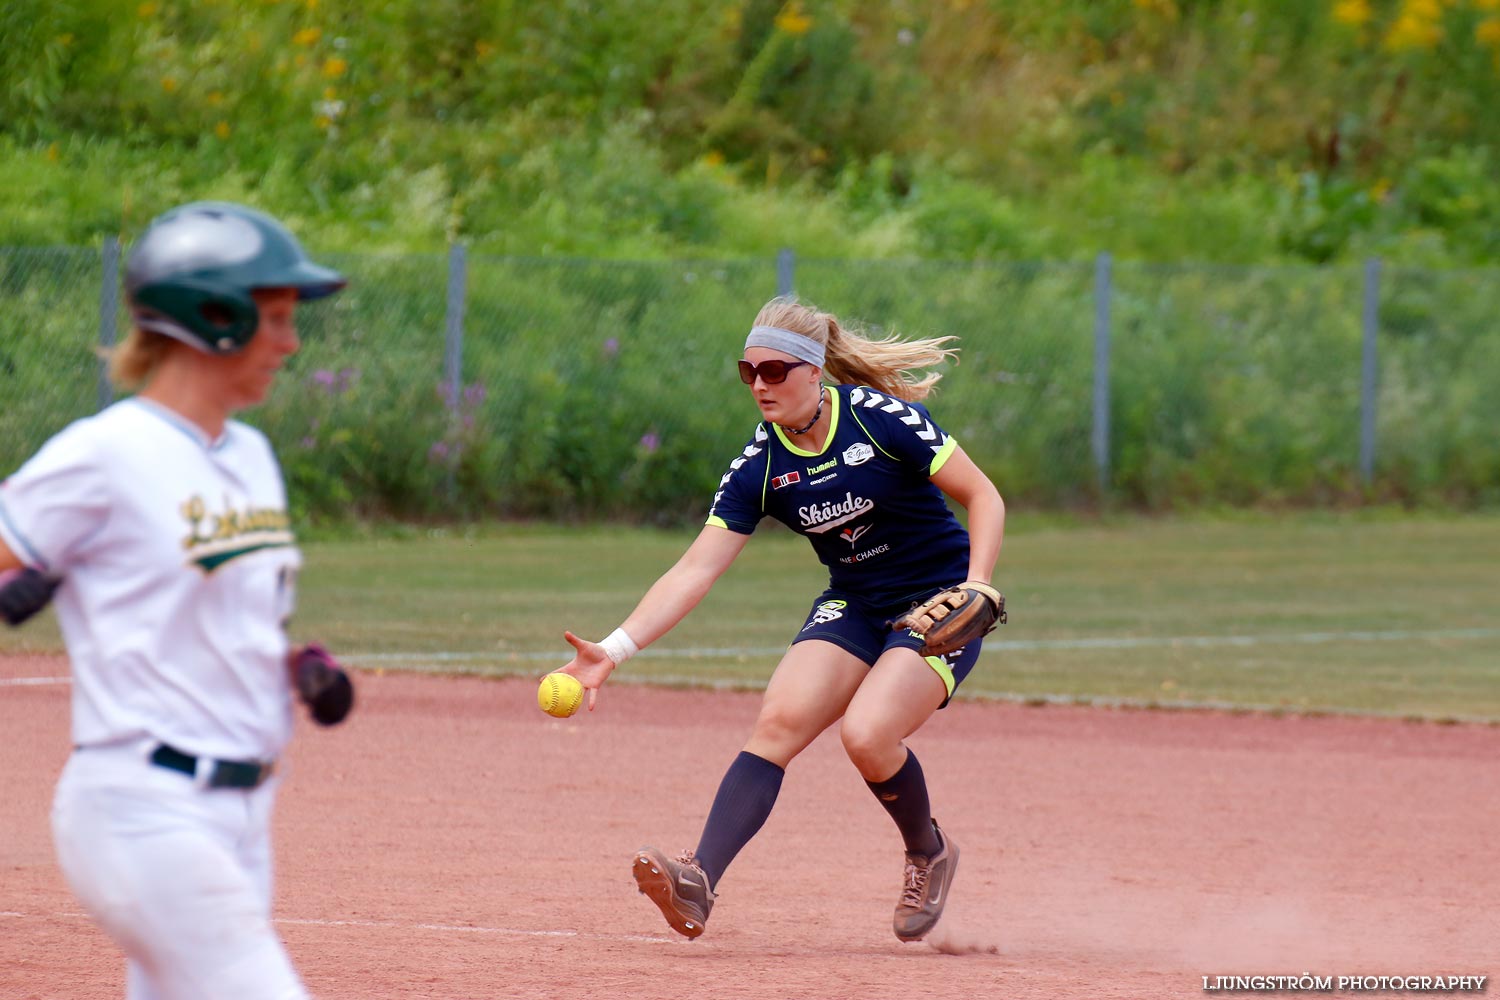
x=133 y=361
x=885 y=365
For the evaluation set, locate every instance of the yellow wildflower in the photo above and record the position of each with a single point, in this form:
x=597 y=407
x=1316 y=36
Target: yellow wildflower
x=1487 y=32
x=1487 y=4
x=713 y=158
x=222 y=130
x=791 y=19
x=484 y=49
x=335 y=67
x=1409 y=32
x=146 y=9
x=1355 y=13
x=169 y=84
x=307 y=36
x=52 y=153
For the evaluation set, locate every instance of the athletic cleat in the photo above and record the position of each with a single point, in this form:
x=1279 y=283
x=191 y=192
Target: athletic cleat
x=925 y=889
x=678 y=888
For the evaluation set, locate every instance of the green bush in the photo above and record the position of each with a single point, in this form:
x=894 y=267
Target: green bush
x=590 y=388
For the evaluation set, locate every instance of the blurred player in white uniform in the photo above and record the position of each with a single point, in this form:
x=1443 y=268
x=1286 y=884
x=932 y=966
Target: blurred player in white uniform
x=162 y=525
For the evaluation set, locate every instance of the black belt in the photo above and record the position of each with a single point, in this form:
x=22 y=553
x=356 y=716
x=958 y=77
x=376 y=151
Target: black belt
x=221 y=774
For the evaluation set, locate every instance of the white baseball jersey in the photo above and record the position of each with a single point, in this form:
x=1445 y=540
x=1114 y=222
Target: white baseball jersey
x=179 y=570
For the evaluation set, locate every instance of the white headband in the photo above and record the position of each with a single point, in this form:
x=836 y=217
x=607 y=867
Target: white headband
x=800 y=347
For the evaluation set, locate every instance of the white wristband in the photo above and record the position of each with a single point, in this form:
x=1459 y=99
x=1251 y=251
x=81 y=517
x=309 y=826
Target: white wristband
x=618 y=646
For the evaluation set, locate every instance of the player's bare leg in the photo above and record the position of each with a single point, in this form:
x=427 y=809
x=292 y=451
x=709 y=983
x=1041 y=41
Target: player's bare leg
x=812 y=686
x=898 y=694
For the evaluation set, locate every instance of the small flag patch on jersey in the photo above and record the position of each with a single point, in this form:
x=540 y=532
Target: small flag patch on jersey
x=777 y=482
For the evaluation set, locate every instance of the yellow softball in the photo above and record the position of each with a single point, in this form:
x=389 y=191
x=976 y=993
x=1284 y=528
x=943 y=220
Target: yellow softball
x=560 y=694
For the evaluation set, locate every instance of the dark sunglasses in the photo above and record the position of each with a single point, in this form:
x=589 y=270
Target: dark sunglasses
x=771 y=372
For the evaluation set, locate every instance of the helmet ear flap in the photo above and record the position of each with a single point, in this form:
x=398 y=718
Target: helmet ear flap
x=206 y=315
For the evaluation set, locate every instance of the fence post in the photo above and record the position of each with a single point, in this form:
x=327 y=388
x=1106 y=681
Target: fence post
x=1369 y=370
x=1103 y=291
x=109 y=309
x=786 y=265
x=453 y=349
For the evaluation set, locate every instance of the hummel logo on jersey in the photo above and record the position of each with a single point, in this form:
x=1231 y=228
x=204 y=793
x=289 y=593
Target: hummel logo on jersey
x=777 y=482
x=851 y=535
x=858 y=454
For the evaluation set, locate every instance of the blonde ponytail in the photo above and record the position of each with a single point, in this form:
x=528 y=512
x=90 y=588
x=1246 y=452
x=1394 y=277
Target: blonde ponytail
x=889 y=365
x=133 y=361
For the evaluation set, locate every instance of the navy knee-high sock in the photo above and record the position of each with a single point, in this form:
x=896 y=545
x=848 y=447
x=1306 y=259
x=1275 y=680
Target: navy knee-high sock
x=745 y=798
x=904 y=795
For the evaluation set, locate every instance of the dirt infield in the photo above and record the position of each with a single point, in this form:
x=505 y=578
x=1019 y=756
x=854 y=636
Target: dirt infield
x=453 y=842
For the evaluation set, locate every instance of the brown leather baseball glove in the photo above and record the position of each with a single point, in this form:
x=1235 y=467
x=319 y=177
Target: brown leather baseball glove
x=953 y=618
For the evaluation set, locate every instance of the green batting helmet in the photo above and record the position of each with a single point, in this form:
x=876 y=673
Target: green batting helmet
x=191 y=273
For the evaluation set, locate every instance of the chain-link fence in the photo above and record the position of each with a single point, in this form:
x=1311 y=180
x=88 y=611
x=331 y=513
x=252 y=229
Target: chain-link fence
x=453 y=384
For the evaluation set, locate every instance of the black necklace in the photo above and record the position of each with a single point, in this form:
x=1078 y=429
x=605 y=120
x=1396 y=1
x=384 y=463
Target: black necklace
x=816 y=416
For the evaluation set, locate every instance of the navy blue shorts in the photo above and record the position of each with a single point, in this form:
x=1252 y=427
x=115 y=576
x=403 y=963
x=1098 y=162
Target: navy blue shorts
x=861 y=629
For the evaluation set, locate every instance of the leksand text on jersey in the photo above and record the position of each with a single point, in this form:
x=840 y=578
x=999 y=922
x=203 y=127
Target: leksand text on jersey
x=214 y=538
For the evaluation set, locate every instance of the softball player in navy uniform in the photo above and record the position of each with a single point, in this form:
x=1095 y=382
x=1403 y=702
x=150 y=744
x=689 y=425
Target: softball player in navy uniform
x=162 y=526
x=861 y=470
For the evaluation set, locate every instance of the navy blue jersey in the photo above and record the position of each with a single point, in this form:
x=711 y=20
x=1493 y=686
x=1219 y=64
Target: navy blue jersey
x=866 y=501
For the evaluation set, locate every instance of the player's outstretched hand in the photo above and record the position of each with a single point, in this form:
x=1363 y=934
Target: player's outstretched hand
x=590 y=664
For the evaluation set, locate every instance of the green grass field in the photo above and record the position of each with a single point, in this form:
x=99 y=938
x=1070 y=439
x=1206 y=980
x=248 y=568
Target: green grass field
x=1306 y=612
